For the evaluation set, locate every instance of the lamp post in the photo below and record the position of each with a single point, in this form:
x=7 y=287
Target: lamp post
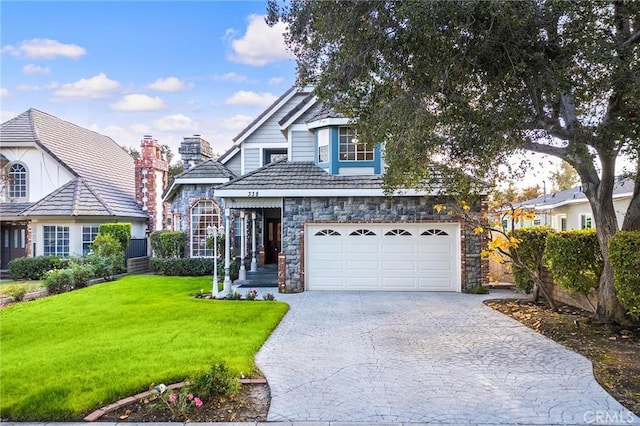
x=227 y=254
x=242 y=274
x=212 y=231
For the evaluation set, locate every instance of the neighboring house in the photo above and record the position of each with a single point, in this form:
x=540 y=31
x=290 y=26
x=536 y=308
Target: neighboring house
x=308 y=195
x=570 y=209
x=61 y=181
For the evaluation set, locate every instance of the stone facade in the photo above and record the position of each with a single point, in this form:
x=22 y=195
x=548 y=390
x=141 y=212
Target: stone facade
x=298 y=211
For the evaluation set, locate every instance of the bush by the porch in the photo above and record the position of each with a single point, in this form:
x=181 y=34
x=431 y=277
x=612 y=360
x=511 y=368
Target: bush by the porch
x=33 y=268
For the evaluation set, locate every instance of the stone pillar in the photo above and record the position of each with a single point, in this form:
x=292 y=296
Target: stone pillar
x=282 y=285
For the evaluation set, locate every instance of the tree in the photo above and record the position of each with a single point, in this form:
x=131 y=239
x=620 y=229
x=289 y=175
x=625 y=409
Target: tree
x=529 y=192
x=565 y=177
x=470 y=83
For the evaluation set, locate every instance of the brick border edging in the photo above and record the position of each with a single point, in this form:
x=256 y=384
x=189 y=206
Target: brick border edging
x=128 y=400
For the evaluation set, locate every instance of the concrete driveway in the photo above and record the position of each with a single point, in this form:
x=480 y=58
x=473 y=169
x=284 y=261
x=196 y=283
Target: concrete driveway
x=424 y=357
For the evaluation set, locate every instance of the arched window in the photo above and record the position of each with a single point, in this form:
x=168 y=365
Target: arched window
x=204 y=213
x=17 y=181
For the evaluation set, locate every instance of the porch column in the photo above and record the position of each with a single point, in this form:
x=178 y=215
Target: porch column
x=227 y=253
x=254 y=262
x=242 y=275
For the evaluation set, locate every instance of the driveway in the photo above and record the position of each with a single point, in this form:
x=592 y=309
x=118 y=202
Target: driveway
x=423 y=357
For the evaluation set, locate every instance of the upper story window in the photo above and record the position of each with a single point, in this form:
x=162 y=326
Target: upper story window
x=17 y=181
x=350 y=148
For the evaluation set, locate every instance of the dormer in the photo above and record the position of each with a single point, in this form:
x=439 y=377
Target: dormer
x=339 y=151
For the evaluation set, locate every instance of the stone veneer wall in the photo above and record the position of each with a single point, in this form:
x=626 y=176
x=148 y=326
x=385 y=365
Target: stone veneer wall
x=181 y=205
x=298 y=211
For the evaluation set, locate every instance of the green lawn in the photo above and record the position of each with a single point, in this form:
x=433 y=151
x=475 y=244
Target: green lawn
x=65 y=355
x=30 y=285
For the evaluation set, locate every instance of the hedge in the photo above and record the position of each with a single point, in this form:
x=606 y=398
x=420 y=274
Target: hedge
x=530 y=250
x=168 y=244
x=192 y=266
x=33 y=268
x=624 y=254
x=120 y=231
x=575 y=259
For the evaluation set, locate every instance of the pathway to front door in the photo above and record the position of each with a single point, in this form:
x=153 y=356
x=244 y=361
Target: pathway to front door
x=423 y=357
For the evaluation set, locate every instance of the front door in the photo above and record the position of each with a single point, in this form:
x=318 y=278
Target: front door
x=14 y=243
x=274 y=236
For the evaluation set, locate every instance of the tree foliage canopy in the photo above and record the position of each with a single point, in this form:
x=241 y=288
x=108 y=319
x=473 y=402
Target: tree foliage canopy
x=468 y=83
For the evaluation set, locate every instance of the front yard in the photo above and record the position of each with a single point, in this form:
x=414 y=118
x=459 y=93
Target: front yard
x=66 y=355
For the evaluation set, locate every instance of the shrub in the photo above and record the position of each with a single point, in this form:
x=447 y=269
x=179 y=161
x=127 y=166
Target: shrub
x=120 y=231
x=624 y=253
x=108 y=247
x=168 y=244
x=82 y=273
x=193 y=266
x=32 y=268
x=15 y=291
x=575 y=260
x=218 y=381
x=59 y=281
x=530 y=250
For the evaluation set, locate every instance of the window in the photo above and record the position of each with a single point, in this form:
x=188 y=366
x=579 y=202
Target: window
x=56 y=240
x=323 y=146
x=204 y=213
x=398 y=232
x=237 y=235
x=362 y=232
x=586 y=221
x=537 y=222
x=350 y=148
x=273 y=155
x=17 y=176
x=560 y=222
x=563 y=223
x=434 y=232
x=327 y=232
x=88 y=235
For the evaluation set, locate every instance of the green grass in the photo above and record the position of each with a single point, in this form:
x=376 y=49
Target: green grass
x=65 y=355
x=30 y=285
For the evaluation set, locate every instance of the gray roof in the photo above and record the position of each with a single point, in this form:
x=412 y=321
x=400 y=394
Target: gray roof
x=13 y=209
x=299 y=175
x=207 y=169
x=107 y=171
x=295 y=109
x=324 y=113
x=75 y=198
x=622 y=186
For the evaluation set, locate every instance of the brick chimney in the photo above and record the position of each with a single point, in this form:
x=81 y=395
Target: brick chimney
x=194 y=150
x=151 y=179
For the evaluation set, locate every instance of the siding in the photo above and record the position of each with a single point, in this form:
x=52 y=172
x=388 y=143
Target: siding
x=302 y=146
x=235 y=164
x=270 y=132
x=251 y=159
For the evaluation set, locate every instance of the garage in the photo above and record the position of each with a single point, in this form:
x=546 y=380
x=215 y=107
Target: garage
x=382 y=256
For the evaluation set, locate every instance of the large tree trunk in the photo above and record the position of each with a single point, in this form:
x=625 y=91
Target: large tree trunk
x=599 y=193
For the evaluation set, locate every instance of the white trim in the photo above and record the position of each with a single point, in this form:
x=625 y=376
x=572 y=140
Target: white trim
x=328 y=122
x=573 y=201
x=343 y=192
x=201 y=180
x=222 y=159
x=297 y=115
x=267 y=116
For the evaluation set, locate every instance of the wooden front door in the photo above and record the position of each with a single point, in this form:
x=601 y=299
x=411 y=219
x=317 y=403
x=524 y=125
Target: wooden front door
x=274 y=237
x=14 y=243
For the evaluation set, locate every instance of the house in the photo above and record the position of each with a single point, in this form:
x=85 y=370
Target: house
x=307 y=195
x=61 y=181
x=570 y=209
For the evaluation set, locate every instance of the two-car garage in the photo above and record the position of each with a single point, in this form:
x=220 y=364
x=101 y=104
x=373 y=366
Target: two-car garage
x=383 y=256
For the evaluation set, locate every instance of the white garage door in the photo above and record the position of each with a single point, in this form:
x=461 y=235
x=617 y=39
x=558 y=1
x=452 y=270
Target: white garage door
x=395 y=256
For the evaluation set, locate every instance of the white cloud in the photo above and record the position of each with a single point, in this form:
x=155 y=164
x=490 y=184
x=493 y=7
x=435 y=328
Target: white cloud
x=170 y=84
x=251 y=99
x=275 y=81
x=31 y=69
x=176 y=122
x=4 y=92
x=36 y=88
x=6 y=115
x=231 y=76
x=235 y=123
x=44 y=48
x=138 y=102
x=261 y=44
x=95 y=87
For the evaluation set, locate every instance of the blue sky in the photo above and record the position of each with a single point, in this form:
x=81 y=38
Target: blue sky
x=129 y=68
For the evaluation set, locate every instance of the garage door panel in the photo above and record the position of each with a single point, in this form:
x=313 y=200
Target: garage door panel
x=358 y=260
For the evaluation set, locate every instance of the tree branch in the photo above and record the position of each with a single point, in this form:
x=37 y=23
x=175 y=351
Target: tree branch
x=546 y=149
x=635 y=38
